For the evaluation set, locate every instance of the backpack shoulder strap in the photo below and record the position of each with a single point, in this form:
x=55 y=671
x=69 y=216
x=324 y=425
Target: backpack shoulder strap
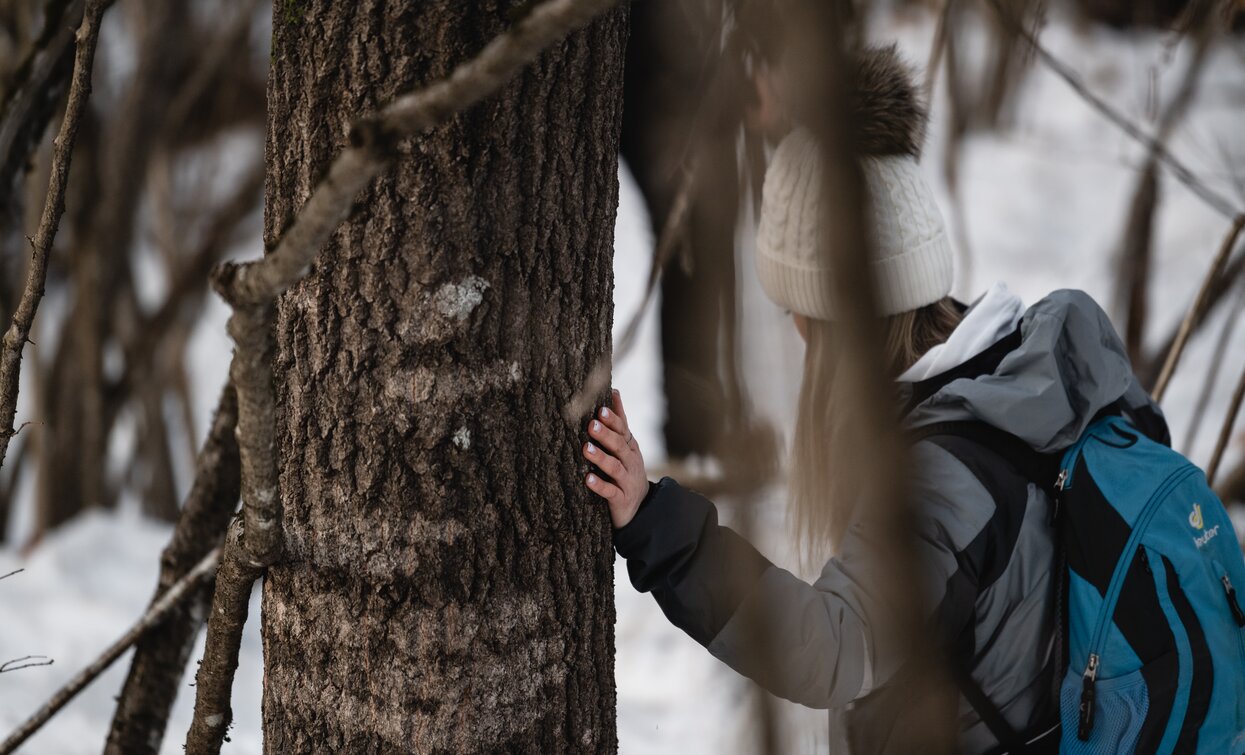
x=1040 y=469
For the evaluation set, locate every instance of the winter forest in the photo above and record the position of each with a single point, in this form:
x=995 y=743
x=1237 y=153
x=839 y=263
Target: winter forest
x=311 y=309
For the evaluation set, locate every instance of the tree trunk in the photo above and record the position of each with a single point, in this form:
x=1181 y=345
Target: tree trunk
x=447 y=584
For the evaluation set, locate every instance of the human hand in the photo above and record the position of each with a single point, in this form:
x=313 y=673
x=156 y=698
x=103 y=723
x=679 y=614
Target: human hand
x=617 y=454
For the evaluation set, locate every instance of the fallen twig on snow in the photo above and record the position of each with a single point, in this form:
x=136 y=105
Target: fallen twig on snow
x=178 y=592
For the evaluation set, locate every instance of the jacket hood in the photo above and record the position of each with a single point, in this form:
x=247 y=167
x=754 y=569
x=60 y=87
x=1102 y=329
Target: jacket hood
x=1064 y=365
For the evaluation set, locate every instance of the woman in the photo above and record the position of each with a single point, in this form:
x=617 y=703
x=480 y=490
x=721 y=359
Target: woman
x=984 y=536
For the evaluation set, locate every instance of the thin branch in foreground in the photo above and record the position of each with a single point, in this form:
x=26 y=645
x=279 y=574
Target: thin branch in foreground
x=17 y=664
x=18 y=334
x=1225 y=434
x=1198 y=309
x=178 y=592
x=15 y=571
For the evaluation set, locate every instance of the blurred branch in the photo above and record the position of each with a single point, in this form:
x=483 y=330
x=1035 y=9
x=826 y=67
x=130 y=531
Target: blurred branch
x=23 y=319
x=1214 y=199
x=1219 y=288
x=147 y=697
x=1137 y=244
x=10 y=574
x=1233 y=486
x=38 y=84
x=1196 y=312
x=190 y=281
x=181 y=111
x=179 y=591
x=1225 y=433
x=671 y=233
x=1213 y=370
x=936 y=50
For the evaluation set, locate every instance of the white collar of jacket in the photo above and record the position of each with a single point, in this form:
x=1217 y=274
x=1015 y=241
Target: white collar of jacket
x=991 y=317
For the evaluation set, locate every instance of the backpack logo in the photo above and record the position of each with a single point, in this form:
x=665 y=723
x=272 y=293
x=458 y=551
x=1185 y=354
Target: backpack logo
x=1195 y=519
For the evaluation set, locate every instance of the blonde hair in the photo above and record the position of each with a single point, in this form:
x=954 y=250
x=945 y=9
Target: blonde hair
x=824 y=471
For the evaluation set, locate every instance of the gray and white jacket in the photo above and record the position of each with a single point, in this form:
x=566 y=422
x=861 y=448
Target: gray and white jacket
x=984 y=533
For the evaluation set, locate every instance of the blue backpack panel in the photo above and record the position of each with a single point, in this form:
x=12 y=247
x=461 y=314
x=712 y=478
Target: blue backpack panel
x=1154 y=627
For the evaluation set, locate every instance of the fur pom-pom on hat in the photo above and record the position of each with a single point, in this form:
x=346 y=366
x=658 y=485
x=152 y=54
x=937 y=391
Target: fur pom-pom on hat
x=887 y=110
x=910 y=252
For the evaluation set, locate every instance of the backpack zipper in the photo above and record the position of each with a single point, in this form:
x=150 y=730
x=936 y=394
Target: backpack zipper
x=1087 y=698
x=1112 y=595
x=1230 y=592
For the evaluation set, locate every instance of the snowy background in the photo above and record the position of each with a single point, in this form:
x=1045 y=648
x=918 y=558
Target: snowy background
x=1045 y=207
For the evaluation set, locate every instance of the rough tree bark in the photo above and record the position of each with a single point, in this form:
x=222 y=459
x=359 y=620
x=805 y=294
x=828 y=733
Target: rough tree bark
x=447 y=581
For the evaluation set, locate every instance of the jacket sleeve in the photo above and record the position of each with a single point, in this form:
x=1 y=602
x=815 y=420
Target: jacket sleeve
x=813 y=644
x=697 y=570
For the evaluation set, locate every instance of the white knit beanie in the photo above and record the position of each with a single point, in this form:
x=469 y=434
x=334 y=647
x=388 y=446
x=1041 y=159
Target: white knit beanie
x=911 y=256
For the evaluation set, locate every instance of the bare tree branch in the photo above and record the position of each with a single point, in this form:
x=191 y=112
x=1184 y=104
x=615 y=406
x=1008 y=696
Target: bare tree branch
x=1214 y=199
x=1136 y=247
x=1233 y=486
x=213 y=683
x=39 y=82
x=1198 y=310
x=1212 y=371
x=17 y=664
x=160 y=657
x=1225 y=434
x=373 y=137
x=15 y=571
x=178 y=592
x=18 y=334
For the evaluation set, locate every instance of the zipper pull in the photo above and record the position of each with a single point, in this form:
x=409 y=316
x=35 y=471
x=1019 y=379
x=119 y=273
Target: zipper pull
x=1087 y=698
x=1237 y=613
x=1060 y=481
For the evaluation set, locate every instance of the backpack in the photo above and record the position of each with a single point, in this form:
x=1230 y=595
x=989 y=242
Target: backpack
x=1151 y=650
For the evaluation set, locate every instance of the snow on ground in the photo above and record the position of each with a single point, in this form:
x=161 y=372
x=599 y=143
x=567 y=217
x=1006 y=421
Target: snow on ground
x=1046 y=201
